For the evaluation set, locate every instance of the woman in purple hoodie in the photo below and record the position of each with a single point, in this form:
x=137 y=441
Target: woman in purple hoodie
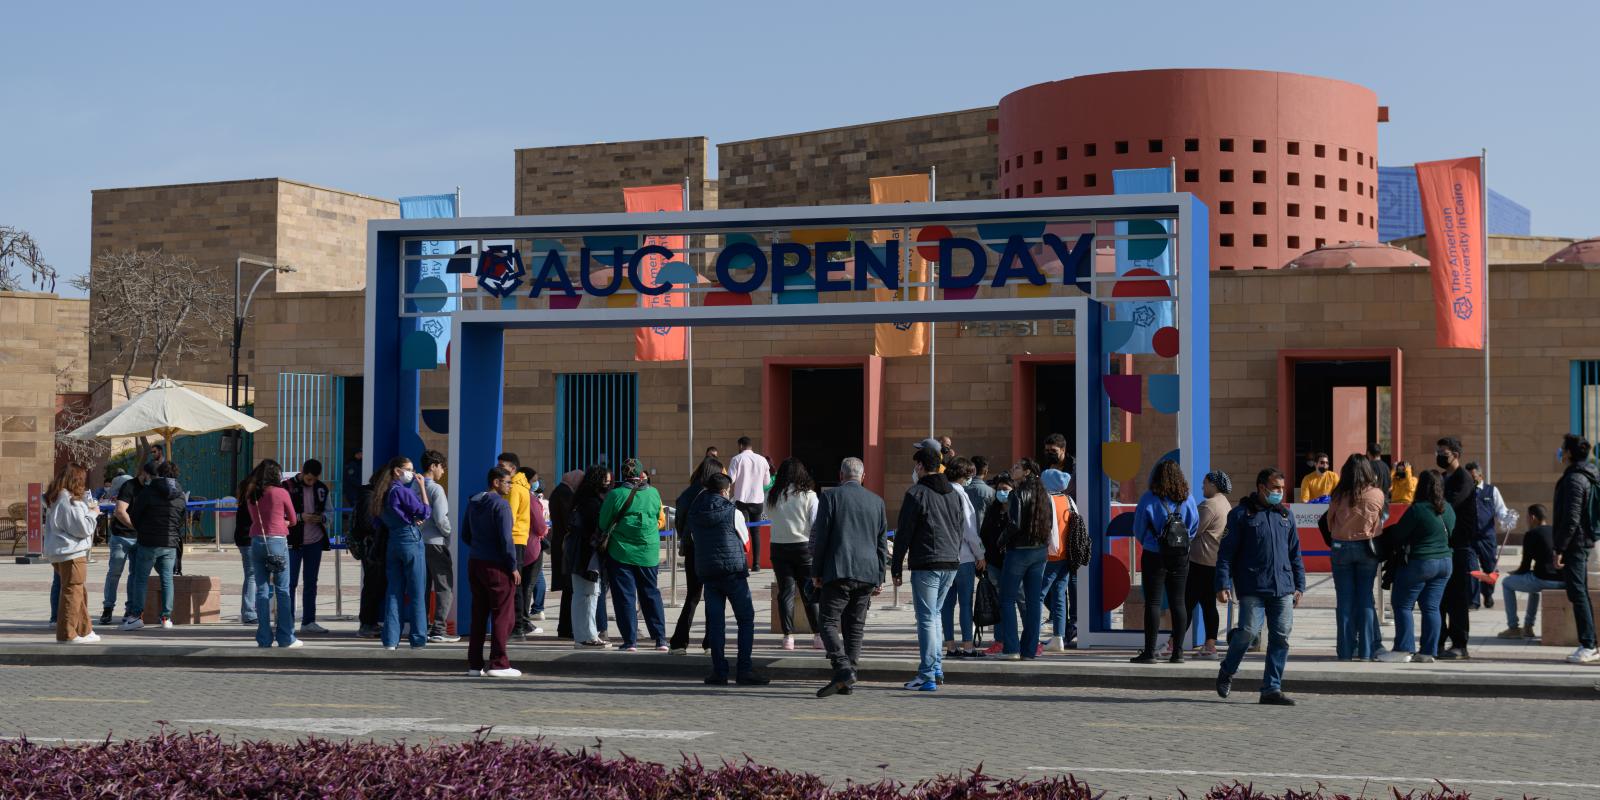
x=397 y=501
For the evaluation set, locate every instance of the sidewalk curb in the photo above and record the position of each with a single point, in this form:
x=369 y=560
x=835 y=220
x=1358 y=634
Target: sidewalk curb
x=1582 y=684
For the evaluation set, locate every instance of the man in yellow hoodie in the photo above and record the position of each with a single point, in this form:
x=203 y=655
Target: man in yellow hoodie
x=1321 y=482
x=521 y=519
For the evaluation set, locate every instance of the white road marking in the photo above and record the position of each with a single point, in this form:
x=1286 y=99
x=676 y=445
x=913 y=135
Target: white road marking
x=361 y=727
x=1317 y=777
x=32 y=739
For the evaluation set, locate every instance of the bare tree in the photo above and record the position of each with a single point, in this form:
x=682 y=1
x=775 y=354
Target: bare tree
x=20 y=253
x=155 y=309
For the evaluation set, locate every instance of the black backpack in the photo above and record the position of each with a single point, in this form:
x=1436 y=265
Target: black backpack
x=1174 y=534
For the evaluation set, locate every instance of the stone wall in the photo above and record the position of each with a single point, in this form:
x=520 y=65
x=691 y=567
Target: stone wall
x=832 y=167
x=315 y=332
x=323 y=234
x=36 y=324
x=1503 y=248
x=589 y=178
x=72 y=344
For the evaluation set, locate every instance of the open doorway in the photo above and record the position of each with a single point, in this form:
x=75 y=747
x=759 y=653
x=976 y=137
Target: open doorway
x=1044 y=400
x=825 y=419
x=1338 y=402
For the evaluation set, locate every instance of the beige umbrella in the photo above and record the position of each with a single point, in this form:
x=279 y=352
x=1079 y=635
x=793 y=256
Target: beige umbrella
x=168 y=409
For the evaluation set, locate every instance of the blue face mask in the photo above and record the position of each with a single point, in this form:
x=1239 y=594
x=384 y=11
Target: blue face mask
x=536 y=486
x=1275 y=498
x=1003 y=495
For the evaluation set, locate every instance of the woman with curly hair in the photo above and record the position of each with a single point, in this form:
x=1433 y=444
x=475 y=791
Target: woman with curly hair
x=1165 y=507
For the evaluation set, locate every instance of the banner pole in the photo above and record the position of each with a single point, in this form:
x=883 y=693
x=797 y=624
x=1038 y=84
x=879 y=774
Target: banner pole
x=1483 y=197
x=933 y=327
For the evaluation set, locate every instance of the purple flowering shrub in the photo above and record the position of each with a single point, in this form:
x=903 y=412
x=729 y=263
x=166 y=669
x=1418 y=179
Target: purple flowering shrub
x=176 y=767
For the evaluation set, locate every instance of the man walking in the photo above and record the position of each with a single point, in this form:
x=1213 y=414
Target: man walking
x=850 y=552
x=718 y=531
x=1576 y=528
x=928 y=534
x=750 y=472
x=1259 y=559
x=1461 y=492
x=436 y=536
x=492 y=573
x=124 y=544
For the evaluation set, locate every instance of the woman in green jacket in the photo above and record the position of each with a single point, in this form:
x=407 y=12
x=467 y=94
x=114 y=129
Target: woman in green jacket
x=1423 y=535
x=632 y=516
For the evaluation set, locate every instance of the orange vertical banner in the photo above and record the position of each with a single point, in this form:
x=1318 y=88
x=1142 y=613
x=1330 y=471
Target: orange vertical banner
x=901 y=338
x=1452 y=213
x=659 y=342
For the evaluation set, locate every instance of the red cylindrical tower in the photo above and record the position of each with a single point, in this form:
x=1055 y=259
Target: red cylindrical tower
x=1286 y=163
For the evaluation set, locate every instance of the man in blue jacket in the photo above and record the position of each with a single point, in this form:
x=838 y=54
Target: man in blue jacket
x=492 y=572
x=715 y=527
x=1260 y=560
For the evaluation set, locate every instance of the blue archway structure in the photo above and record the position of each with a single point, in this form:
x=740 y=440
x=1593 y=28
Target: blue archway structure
x=1070 y=228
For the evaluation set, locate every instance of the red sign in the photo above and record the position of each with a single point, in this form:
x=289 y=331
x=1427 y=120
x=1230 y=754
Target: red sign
x=1452 y=213
x=660 y=342
x=35 y=519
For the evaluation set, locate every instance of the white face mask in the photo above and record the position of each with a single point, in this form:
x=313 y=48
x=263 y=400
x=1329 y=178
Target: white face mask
x=406 y=476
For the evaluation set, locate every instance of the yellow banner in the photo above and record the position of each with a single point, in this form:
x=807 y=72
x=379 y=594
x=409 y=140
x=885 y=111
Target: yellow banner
x=892 y=339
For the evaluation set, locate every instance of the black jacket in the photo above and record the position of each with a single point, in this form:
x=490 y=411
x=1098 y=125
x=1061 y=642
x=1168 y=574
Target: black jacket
x=929 y=528
x=1385 y=476
x=850 y=538
x=581 y=526
x=319 y=505
x=1028 y=526
x=158 y=513
x=718 y=548
x=1571 y=531
x=561 y=499
x=995 y=534
x=1461 y=493
x=683 y=504
x=1539 y=554
x=369 y=539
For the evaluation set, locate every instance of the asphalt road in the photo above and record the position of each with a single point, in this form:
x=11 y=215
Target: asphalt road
x=1142 y=743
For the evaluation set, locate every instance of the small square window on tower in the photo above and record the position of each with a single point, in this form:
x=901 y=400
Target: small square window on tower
x=1038 y=156
x=1321 y=182
x=1361 y=188
x=1344 y=154
x=1258 y=208
x=1225 y=145
x=1321 y=243
x=1320 y=151
x=1089 y=150
x=1155 y=145
x=1294 y=179
x=1225 y=207
x=1191 y=145
x=1258 y=240
x=1258 y=146
x=1061 y=183
x=1294 y=148
x=1258 y=176
x=1225 y=176
x=1008 y=194
x=1088 y=180
x=1294 y=242
x=1293 y=209
x=1361 y=218
x=1019 y=161
x=1344 y=215
x=1360 y=158
x=1121 y=147
x=1038 y=187
x=1320 y=212
x=1225 y=240
x=1344 y=184
x=1019 y=190
x=1007 y=167
x=1191 y=176
x=1061 y=153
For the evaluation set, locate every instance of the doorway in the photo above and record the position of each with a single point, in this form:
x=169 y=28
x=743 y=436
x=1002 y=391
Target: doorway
x=825 y=419
x=1338 y=403
x=1044 y=400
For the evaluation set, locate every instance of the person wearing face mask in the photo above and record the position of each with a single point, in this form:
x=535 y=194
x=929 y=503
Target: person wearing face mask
x=959 y=471
x=1493 y=516
x=929 y=534
x=1461 y=493
x=1573 y=535
x=492 y=572
x=436 y=536
x=1404 y=487
x=1259 y=560
x=1322 y=480
x=398 y=502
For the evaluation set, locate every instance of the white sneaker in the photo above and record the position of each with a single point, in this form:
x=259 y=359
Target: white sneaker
x=788 y=642
x=1394 y=657
x=1584 y=655
x=166 y=623
x=1056 y=645
x=537 y=616
x=816 y=642
x=474 y=673
x=312 y=627
x=292 y=645
x=391 y=647
x=508 y=672
x=131 y=624
x=88 y=638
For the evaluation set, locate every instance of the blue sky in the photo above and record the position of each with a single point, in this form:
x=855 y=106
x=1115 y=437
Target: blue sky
x=402 y=98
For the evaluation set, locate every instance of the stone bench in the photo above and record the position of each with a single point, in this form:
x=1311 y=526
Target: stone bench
x=195 y=599
x=1558 y=626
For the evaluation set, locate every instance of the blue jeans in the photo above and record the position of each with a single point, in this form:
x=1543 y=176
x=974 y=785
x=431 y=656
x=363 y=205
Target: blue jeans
x=1355 y=616
x=55 y=595
x=1279 y=618
x=960 y=595
x=929 y=587
x=306 y=558
x=1022 y=581
x=586 y=607
x=538 y=588
x=269 y=563
x=162 y=560
x=1057 y=579
x=632 y=584
x=122 y=548
x=719 y=593
x=1419 y=581
x=1526 y=582
x=247 y=594
x=407 y=567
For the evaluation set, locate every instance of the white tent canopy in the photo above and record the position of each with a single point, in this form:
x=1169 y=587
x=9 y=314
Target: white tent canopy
x=166 y=409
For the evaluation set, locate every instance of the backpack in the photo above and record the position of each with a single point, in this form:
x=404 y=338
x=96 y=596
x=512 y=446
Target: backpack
x=1077 y=538
x=1174 y=534
x=1591 y=512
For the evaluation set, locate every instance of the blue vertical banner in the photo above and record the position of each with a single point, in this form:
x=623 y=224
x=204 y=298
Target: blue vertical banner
x=432 y=277
x=1146 y=257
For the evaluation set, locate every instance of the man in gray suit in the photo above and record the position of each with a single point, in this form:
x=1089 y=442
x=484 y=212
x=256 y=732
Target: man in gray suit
x=850 y=552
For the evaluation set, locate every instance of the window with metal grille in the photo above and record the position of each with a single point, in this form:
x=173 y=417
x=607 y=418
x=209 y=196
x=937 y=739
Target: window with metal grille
x=597 y=419
x=1586 y=399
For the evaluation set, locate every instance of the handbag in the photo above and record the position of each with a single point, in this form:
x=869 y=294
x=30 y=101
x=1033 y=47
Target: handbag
x=985 y=602
x=602 y=540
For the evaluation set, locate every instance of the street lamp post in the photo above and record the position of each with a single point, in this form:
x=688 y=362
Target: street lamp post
x=239 y=314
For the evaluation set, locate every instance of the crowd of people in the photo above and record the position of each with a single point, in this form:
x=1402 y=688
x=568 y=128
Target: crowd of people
x=999 y=551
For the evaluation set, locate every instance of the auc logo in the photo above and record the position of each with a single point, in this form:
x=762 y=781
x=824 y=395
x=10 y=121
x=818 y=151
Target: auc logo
x=744 y=267
x=1462 y=307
